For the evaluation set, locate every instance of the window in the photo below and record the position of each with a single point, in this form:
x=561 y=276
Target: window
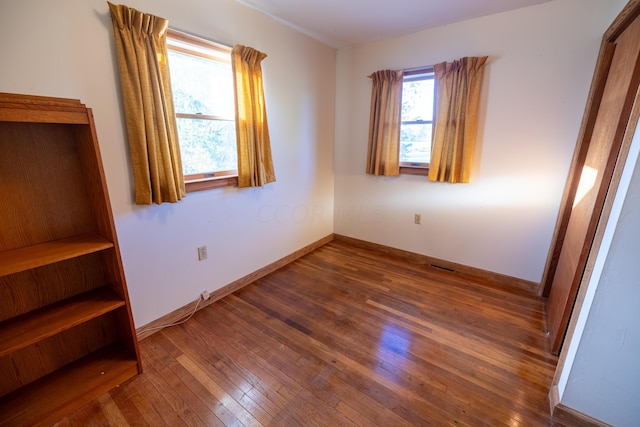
x=202 y=86
x=418 y=102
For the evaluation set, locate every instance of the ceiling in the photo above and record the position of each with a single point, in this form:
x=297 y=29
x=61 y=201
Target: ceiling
x=341 y=23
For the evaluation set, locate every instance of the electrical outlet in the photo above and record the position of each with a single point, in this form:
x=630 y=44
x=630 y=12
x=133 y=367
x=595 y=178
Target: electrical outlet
x=202 y=253
x=204 y=295
x=417 y=218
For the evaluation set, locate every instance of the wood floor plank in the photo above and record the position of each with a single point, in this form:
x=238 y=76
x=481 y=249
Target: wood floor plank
x=273 y=372
x=183 y=400
x=111 y=411
x=406 y=361
x=388 y=358
x=216 y=366
x=292 y=369
x=218 y=392
x=196 y=387
x=125 y=398
x=148 y=410
x=369 y=411
x=345 y=336
x=355 y=370
x=89 y=415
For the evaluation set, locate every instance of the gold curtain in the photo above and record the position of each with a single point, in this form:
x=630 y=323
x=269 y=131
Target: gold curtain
x=148 y=105
x=255 y=166
x=383 y=153
x=454 y=133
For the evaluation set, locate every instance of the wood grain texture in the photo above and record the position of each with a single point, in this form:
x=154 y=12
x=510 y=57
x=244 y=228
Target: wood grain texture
x=208 y=184
x=608 y=133
x=43 y=254
x=23 y=292
x=631 y=10
x=343 y=336
x=626 y=16
x=594 y=98
x=38 y=325
x=31 y=363
x=63 y=298
x=93 y=374
x=603 y=65
x=43 y=192
x=39 y=109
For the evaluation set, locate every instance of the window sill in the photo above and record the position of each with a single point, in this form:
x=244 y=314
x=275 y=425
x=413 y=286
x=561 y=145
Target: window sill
x=211 y=183
x=408 y=169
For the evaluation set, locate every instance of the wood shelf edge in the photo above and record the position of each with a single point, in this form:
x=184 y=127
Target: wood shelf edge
x=30 y=328
x=42 y=254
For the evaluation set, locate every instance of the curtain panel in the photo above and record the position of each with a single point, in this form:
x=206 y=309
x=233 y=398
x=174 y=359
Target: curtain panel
x=255 y=165
x=383 y=152
x=141 y=49
x=458 y=87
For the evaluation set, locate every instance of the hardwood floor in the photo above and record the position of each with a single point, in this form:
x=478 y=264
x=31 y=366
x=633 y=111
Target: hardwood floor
x=344 y=336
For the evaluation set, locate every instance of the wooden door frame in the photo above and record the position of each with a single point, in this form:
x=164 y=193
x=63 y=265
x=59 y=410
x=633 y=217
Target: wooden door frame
x=558 y=410
x=630 y=12
x=603 y=65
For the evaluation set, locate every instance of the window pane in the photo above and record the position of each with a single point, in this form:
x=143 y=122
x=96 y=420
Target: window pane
x=415 y=143
x=417 y=100
x=201 y=86
x=207 y=145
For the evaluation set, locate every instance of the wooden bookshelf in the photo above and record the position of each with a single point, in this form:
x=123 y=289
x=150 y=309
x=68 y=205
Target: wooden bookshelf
x=66 y=330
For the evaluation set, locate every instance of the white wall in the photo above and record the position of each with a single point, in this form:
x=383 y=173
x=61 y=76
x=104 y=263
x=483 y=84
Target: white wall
x=541 y=60
x=65 y=48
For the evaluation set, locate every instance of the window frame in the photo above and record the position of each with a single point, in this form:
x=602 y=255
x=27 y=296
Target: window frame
x=203 y=48
x=415 y=168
